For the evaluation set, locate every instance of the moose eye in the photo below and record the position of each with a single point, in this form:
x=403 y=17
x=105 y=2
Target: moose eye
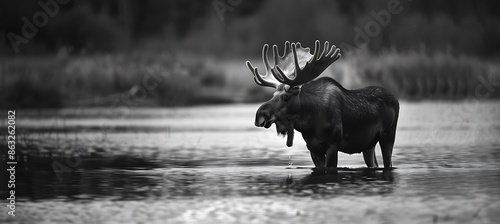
x=285 y=97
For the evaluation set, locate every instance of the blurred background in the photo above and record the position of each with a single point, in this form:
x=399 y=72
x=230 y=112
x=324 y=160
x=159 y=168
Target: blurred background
x=144 y=110
x=87 y=53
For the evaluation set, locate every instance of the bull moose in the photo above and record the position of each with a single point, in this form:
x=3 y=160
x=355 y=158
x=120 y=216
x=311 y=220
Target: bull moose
x=330 y=117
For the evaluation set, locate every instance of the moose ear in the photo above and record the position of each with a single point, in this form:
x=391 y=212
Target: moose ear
x=286 y=88
x=295 y=90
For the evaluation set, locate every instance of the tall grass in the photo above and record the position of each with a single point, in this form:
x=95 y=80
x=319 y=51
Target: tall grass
x=83 y=81
x=98 y=80
x=419 y=75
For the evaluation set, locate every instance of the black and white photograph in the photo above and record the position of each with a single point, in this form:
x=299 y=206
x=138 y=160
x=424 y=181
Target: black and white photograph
x=250 y=111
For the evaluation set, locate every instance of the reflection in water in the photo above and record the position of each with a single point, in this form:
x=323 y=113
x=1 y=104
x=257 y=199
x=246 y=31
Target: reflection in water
x=350 y=182
x=210 y=182
x=131 y=178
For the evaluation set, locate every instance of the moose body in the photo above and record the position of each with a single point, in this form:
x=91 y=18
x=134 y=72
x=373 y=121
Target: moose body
x=330 y=117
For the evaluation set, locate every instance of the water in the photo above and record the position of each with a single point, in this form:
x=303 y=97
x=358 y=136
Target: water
x=210 y=165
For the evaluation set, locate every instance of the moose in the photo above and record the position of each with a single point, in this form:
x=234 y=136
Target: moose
x=330 y=117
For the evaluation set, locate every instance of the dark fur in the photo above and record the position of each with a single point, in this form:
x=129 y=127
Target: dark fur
x=353 y=107
x=327 y=115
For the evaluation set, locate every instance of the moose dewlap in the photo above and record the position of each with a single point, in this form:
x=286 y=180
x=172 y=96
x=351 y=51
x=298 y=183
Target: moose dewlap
x=330 y=117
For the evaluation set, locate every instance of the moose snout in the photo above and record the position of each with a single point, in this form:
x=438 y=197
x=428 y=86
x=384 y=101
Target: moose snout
x=260 y=121
x=263 y=118
x=266 y=122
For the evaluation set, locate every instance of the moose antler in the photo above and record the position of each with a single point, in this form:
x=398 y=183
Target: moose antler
x=297 y=66
x=268 y=79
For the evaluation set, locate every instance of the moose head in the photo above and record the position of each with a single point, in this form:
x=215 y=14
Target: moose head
x=290 y=71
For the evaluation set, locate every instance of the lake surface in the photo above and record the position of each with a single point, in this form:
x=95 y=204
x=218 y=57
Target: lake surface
x=211 y=165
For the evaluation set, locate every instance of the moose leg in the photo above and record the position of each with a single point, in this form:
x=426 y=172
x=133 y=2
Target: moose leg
x=316 y=150
x=370 y=159
x=332 y=156
x=386 y=144
x=318 y=159
x=332 y=159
